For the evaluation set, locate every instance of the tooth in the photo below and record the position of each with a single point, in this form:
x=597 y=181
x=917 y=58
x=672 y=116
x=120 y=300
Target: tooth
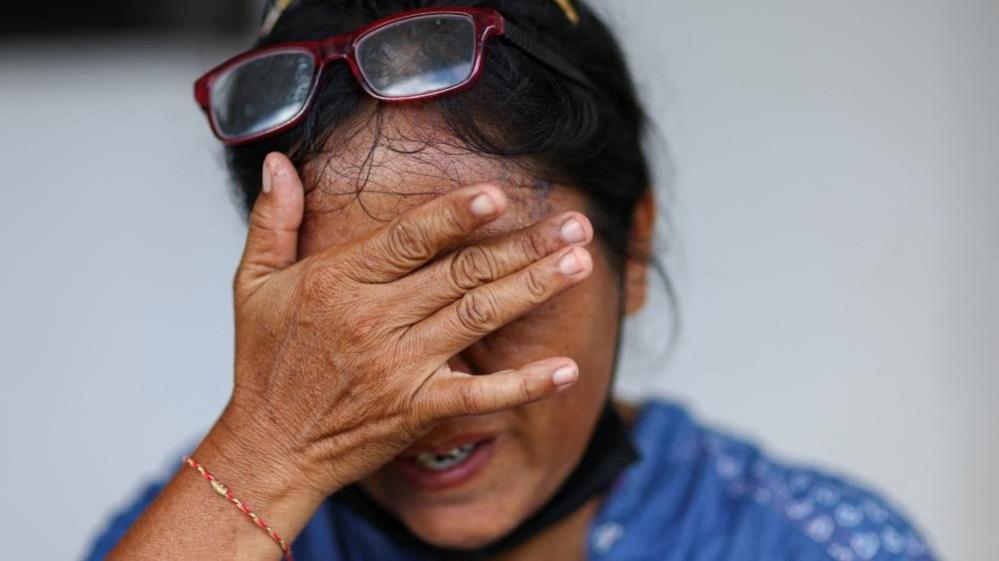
x=440 y=462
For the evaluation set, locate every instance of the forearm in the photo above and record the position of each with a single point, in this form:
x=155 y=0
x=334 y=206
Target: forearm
x=189 y=520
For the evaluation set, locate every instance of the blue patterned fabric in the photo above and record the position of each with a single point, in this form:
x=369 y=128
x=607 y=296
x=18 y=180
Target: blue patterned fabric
x=696 y=495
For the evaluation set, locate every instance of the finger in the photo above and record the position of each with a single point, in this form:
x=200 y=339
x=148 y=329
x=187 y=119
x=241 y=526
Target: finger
x=417 y=236
x=449 y=278
x=272 y=238
x=487 y=308
x=458 y=394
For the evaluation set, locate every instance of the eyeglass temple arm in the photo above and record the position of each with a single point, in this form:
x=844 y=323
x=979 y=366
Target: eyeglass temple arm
x=526 y=42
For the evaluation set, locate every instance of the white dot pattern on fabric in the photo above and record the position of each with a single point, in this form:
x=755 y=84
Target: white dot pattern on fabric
x=875 y=512
x=840 y=553
x=865 y=544
x=799 y=509
x=849 y=523
x=729 y=468
x=820 y=528
x=892 y=540
x=606 y=535
x=848 y=515
x=826 y=495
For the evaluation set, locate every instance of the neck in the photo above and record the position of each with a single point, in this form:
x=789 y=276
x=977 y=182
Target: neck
x=563 y=541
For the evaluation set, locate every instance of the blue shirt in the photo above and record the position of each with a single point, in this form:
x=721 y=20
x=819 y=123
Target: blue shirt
x=695 y=495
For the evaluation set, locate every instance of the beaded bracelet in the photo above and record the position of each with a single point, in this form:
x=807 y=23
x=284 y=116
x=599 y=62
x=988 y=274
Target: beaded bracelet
x=224 y=491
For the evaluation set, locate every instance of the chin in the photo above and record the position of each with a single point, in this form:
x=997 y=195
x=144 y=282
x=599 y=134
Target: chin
x=459 y=526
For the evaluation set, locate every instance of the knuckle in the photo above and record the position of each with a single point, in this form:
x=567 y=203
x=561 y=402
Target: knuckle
x=260 y=216
x=318 y=284
x=477 y=311
x=534 y=245
x=451 y=219
x=419 y=421
x=472 y=266
x=429 y=407
x=407 y=241
x=469 y=400
x=355 y=266
x=527 y=390
x=536 y=285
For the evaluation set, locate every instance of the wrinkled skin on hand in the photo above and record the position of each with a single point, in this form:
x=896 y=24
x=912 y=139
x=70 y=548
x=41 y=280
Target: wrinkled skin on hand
x=334 y=350
x=358 y=329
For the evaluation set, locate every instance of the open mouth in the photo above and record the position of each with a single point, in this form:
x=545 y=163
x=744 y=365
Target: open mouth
x=442 y=462
x=438 y=469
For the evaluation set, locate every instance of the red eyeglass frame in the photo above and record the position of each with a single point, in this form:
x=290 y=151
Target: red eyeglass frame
x=488 y=23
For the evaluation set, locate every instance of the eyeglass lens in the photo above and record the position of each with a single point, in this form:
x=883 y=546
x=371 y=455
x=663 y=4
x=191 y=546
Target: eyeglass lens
x=419 y=55
x=261 y=93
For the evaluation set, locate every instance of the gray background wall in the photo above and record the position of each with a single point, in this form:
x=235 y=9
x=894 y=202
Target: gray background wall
x=834 y=211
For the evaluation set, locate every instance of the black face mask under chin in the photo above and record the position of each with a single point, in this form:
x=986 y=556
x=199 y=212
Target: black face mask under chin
x=609 y=452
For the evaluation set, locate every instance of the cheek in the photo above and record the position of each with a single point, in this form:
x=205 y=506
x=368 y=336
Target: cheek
x=582 y=324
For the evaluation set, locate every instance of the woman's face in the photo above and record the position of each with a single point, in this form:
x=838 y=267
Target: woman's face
x=473 y=479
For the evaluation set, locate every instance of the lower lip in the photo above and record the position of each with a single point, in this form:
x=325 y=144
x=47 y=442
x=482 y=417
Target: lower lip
x=428 y=480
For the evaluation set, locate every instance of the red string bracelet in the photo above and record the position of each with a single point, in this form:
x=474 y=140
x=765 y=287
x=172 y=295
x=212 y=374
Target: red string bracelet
x=224 y=491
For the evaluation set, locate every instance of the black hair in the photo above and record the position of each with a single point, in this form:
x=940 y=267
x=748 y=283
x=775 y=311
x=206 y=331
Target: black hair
x=520 y=111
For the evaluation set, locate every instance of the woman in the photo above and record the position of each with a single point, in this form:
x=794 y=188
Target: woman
x=454 y=216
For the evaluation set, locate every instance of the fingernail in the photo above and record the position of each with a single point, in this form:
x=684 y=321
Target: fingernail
x=483 y=205
x=570 y=265
x=572 y=231
x=268 y=178
x=565 y=376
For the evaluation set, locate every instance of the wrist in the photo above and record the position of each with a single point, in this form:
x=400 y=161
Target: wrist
x=261 y=468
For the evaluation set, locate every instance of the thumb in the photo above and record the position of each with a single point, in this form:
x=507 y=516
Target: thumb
x=272 y=239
